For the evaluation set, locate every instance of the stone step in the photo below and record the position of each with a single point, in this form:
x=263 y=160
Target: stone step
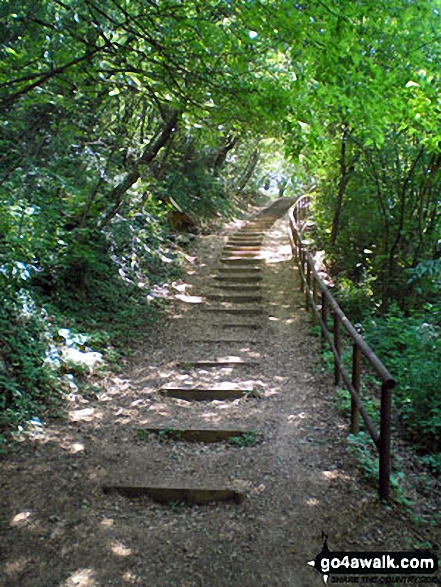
x=207 y=435
x=224 y=362
x=204 y=395
x=180 y=494
x=237 y=298
x=235 y=311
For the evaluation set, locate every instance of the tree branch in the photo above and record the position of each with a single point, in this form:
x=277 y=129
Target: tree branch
x=47 y=76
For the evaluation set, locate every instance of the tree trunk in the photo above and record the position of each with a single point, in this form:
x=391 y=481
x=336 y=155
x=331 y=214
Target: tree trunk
x=116 y=195
x=249 y=170
x=396 y=247
x=344 y=180
x=222 y=153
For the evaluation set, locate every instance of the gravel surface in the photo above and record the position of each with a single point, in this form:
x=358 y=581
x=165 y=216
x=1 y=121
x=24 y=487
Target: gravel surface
x=60 y=530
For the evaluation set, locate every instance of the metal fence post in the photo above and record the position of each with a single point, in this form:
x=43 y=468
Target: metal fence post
x=301 y=267
x=324 y=318
x=308 y=285
x=337 y=344
x=295 y=250
x=385 y=441
x=315 y=301
x=356 y=382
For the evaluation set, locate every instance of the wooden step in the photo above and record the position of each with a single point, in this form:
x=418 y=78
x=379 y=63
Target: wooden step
x=250 y=233
x=181 y=494
x=251 y=228
x=209 y=435
x=246 y=271
x=246 y=237
x=242 y=261
x=215 y=341
x=243 y=243
x=257 y=226
x=243 y=248
x=235 y=311
x=245 y=287
x=226 y=362
x=237 y=298
x=248 y=325
x=236 y=277
x=204 y=395
x=234 y=254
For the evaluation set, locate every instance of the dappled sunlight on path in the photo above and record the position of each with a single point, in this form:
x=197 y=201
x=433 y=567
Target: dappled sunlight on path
x=285 y=465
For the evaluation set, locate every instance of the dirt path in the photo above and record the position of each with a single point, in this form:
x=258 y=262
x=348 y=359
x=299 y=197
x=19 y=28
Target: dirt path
x=60 y=530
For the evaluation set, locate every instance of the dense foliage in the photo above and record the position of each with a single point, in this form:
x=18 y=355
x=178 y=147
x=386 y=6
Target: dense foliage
x=117 y=115
x=371 y=144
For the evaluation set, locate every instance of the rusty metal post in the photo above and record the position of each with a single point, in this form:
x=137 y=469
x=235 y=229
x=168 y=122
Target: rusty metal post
x=295 y=249
x=324 y=318
x=356 y=381
x=315 y=300
x=385 y=442
x=308 y=285
x=337 y=344
x=302 y=268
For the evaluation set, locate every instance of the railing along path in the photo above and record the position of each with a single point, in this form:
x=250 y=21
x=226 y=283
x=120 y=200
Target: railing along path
x=321 y=303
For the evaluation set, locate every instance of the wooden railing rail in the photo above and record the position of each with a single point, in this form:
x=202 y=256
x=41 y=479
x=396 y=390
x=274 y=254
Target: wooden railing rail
x=322 y=304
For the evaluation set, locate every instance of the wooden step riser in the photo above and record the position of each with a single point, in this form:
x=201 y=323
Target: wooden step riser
x=235 y=311
x=205 y=395
x=238 y=325
x=244 y=271
x=235 y=253
x=205 y=435
x=242 y=262
x=223 y=341
x=235 y=298
x=239 y=244
x=247 y=238
x=250 y=234
x=242 y=249
x=230 y=363
x=238 y=287
x=189 y=495
x=235 y=279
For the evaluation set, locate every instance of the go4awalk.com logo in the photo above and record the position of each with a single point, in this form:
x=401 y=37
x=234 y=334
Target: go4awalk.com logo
x=405 y=568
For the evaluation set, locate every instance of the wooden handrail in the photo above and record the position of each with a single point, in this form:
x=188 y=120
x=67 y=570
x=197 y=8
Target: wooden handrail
x=313 y=287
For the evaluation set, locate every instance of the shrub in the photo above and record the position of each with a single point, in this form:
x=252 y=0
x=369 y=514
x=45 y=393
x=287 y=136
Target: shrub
x=410 y=346
x=28 y=383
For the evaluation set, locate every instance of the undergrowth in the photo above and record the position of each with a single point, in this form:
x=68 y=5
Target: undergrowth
x=409 y=345
x=81 y=309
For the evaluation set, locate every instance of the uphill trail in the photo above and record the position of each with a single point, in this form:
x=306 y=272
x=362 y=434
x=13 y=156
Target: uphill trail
x=216 y=460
